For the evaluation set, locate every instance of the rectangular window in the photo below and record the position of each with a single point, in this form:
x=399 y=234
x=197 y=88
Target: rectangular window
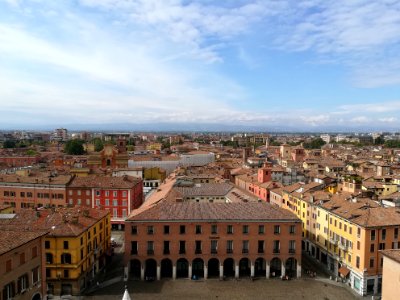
x=372 y=235
x=150 y=247
x=115 y=202
x=22 y=258
x=97 y=202
x=350 y=230
x=35 y=275
x=124 y=193
x=115 y=212
x=371 y=262
x=47 y=244
x=214 y=246
x=97 y=193
x=245 y=247
x=229 y=229
x=261 y=229
x=115 y=194
x=107 y=193
x=372 y=248
x=150 y=230
x=383 y=234
x=197 y=247
x=124 y=213
x=8 y=265
x=66 y=273
x=276 y=246
x=396 y=233
x=166 y=247
x=66 y=246
x=292 y=246
x=166 y=229
x=381 y=246
x=182 y=229
x=107 y=202
x=260 y=246
x=292 y=229
x=182 y=247
x=245 y=229
x=277 y=229
x=198 y=229
x=214 y=229
x=34 y=252
x=124 y=203
x=229 y=246
x=358 y=245
x=358 y=262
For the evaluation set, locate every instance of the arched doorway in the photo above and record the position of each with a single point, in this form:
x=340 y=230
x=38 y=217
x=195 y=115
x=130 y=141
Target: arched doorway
x=276 y=267
x=150 y=271
x=291 y=267
x=182 y=268
x=37 y=297
x=135 y=268
x=244 y=267
x=213 y=267
x=198 y=267
x=259 y=267
x=166 y=268
x=229 y=267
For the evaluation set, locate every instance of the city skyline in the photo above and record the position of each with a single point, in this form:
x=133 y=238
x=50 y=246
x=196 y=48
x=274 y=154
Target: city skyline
x=310 y=65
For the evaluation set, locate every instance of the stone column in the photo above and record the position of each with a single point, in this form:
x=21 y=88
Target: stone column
x=205 y=271
x=283 y=271
x=251 y=269
x=221 y=271
x=190 y=271
x=158 y=272
x=267 y=270
x=298 y=270
x=142 y=273
x=236 y=270
x=174 y=272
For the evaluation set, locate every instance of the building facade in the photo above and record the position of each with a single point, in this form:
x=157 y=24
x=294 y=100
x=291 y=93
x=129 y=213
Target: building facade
x=183 y=240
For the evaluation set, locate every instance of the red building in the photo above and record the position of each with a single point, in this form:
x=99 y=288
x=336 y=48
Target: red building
x=13 y=161
x=119 y=195
x=182 y=240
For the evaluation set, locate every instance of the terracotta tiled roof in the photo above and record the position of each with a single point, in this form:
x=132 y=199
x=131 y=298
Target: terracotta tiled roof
x=392 y=253
x=48 y=180
x=124 y=182
x=205 y=189
x=12 y=238
x=186 y=211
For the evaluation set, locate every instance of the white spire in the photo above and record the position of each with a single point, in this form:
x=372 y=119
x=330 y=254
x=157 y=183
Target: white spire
x=126 y=295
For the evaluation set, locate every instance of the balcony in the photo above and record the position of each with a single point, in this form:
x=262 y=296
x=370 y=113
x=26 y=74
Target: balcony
x=197 y=251
x=229 y=251
x=344 y=247
x=245 y=251
x=150 y=251
x=276 y=251
x=333 y=241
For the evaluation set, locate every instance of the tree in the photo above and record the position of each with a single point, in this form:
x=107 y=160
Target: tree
x=74 y=147
x=314 y=144
x=98 y=144
x=9 y=144
x=392 y=144
x=379 y=140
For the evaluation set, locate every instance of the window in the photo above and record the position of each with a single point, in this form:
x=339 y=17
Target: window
x=115 y=202
x=9 y=291
x=358 y=262
x=66 y=246
x=229 y=229
x=276 y=246
x=97 y=193
x=372 y=235
x=48 y=273
x=97 y=202
x=345 y=227
x=22 y=258
x=260 y=246
x=78 y=192
x=49 y=258
x=245 y=229
x=396 y=233
x=371 y=262
x=107 y=193
x=124 y=194
x=383 y=234
x=245 y=247
x=198 y=229
x=277 y=229
x=229 y=246
x=34 y=252
x=66 y=273
x=150 y=247
x=350 y=230
x=292 y=246
x=107 y=202
x=22 y=194
x=22 y=283
x=134 y=230
x=47 y=244
x=124 y=203
x=134 y=247
x=124 y=213
x=182 y=247
x=372 y=248
x=214 y=246
x=292 y=229
x=166 y=247
x=214 y=229
x=358 y=245
x=197 y=247
x=182 y=229
x=150 y=230
x=115 y=212
x=66 y=258
x=115 y=194
x=87 y=192
x=381 y=246
x=166 y=229
x=261 y=229
x=8 y=265
x=35 y=275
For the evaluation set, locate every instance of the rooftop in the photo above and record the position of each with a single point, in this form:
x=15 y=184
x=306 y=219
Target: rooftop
x=12 y=238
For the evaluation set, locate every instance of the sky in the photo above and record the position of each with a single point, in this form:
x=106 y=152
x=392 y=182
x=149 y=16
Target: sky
x=274 y=64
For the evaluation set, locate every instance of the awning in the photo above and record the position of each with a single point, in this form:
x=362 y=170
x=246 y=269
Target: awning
x=344 y=271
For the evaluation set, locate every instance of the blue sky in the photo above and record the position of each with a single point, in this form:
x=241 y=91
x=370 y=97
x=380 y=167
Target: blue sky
x=307 y=64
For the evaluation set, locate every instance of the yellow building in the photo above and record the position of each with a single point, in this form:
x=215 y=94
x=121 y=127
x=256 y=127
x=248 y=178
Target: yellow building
x=154 y=146
x=6 y=209
x=76 y=248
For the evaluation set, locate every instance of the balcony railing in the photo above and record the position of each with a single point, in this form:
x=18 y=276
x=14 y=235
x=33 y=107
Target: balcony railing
x=150 y=251
x=229 y=250
x=292 y=251
x=344 y=247
x=276 y=251
x=245 y=250
x=214 y=251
